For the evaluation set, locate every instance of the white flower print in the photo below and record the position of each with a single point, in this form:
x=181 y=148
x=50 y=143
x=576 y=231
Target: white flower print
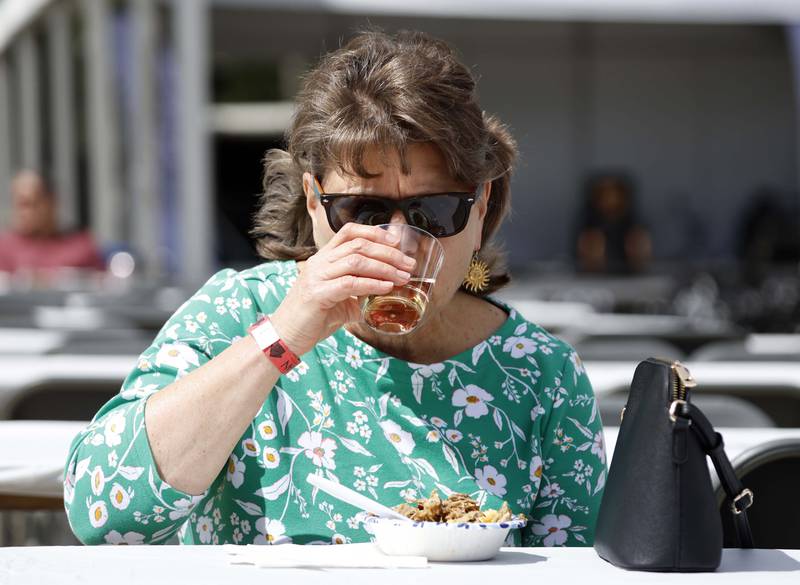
x=433 y=436
x=474 y=398
x=201 y=317
x=536 y=471
x=537 y=411
x=427 y=370
x=98 y=514
x=519 y=346
x=353 y=358
x=129 y=538
x=438 y=422
x=204 y=528
x=270 y=532
x=250 y=448
x=245 y=526
x=267 y=430
x=408 y=494
x=552 y=490
x=576 y=363
x=237 y=535
x=98 y=480
x=183 y=506
x=271 y=458
x=112 y=430
x=553 y=527
x=402 y=440
x=360 y=485
x=453 y=435
x=338 y=539
x=320 y=450
x=598 y=448
x=246 y=304
x=491 y=480
x=299 y=370
x=352 y=427
x=112 y=459
x=177 y=355
x=119 y=497
x=359 y=471
x=360 y=417
x=235 y=472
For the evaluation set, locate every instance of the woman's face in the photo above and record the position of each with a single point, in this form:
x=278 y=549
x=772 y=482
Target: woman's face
x=427 y=174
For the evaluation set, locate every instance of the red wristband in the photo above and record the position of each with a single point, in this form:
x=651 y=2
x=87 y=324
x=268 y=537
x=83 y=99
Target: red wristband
x=273 y=346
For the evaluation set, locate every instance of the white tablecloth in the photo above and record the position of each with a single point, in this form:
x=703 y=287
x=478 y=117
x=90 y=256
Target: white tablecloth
x=198 y=565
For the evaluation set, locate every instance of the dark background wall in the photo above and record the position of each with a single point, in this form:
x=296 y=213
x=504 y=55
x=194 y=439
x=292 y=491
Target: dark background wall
x=700 y=115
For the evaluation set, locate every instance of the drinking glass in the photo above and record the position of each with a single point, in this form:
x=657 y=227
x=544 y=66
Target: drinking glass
x=402 y=309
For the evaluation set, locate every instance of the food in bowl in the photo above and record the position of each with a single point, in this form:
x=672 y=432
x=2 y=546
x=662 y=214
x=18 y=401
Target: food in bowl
x=454 y=529
x=457 y=508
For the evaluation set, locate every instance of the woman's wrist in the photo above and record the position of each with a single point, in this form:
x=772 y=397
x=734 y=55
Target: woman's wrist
x=290 y=331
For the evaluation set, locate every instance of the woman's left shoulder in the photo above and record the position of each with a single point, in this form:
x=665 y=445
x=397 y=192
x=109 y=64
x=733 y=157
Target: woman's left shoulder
x=524 y=339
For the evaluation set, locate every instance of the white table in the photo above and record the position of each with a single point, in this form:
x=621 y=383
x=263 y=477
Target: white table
x=20 y=340
x=20 y=373
x=33 y=455
x=610 y=376
x=737 y=441
x=171 y=565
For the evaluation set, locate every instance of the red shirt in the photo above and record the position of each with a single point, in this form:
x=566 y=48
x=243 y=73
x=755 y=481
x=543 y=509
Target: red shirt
x=75 y=250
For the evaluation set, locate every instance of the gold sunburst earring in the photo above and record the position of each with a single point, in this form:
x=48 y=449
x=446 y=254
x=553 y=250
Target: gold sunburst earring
x=477 y=279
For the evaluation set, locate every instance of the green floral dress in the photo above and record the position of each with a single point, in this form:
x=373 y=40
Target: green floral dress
x=513 y=419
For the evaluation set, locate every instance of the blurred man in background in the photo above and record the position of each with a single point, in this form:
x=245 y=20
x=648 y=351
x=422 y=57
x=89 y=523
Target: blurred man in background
x=610 y=237
x=34 y=242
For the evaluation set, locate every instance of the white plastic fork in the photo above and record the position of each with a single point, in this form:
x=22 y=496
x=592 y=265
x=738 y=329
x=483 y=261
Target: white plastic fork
x=349 y=496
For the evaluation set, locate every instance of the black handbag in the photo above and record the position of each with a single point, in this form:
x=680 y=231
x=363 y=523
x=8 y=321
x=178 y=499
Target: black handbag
x=659 y=512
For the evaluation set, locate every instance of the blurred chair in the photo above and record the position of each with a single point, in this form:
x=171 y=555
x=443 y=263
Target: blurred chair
x=626 y=349
x=772 y=472
x=62 y=400
x=722 y=411
x=107 y=342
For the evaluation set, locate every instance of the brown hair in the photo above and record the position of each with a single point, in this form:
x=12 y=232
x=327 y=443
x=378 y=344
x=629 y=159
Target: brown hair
x=385 y=91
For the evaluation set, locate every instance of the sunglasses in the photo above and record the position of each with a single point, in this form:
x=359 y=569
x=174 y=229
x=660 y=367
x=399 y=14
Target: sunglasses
x=440 y=214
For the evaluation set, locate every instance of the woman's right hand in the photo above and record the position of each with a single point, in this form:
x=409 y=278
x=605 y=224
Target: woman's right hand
x=359 y=260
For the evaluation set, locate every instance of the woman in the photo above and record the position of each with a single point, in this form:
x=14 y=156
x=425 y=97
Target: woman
x=211 y=438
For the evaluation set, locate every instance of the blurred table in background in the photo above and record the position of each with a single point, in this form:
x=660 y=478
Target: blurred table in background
x=32 y=459
x=56 y=386
x=772 y=386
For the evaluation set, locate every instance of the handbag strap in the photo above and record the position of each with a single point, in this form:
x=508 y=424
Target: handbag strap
x=738 y=498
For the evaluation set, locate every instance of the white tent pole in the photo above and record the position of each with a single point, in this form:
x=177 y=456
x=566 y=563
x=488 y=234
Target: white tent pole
x=195 y=200
x=62 y=109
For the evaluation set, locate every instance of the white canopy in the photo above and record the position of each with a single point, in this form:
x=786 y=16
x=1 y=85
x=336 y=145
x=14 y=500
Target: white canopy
x=16 y=14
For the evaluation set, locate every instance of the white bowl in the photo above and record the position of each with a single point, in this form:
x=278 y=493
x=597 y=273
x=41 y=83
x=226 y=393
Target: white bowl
x=440 y=541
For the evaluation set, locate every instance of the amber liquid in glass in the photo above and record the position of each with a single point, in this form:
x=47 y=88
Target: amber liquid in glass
x=400 y=310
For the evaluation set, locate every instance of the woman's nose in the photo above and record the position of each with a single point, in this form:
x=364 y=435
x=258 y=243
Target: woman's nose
x=397 y=217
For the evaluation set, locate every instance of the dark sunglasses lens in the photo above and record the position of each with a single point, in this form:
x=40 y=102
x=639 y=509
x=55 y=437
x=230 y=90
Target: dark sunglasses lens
x=441 y=215
x=357 y=210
